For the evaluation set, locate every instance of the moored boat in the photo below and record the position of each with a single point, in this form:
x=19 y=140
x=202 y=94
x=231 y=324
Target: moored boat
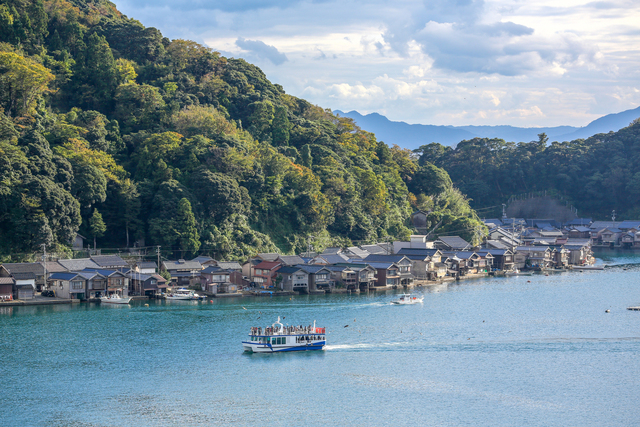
x=182 y=294
x=114 y=299
x=407 y=299
x=517 y=272
x=279 y=338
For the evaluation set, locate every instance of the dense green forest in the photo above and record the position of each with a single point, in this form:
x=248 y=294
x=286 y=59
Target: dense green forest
x=110 y=130
x=598 y=174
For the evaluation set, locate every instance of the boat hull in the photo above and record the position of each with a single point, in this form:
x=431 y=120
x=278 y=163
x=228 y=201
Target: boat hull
x=251 y=347
x=115 y=300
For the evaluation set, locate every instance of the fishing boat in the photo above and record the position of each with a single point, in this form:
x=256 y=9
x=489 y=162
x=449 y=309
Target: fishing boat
x=114 y=299
x=407 y=299
x=182 y=294
x=278 y=338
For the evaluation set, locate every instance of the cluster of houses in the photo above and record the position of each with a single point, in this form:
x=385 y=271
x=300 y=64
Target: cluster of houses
x=511 y=244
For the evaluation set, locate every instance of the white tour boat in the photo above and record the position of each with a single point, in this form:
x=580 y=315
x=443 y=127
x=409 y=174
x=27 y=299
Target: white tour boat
x=407 y=299
x=115 y=299
x=278 y=338
x=182 y=295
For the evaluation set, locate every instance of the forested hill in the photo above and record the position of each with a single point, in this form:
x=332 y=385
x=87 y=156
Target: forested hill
x=596 y=175
x=111 y=130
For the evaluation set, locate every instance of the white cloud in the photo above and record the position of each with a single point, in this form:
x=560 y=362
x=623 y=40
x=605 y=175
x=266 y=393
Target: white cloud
x=541 y=63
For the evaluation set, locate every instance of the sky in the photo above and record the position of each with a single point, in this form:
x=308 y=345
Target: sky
x=523 y=63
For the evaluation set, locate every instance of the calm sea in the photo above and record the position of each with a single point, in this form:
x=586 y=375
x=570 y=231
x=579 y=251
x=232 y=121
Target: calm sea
x=520 y=351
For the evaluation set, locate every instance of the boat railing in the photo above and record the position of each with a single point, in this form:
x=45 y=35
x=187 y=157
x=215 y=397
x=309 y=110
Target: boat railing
x=286 y=330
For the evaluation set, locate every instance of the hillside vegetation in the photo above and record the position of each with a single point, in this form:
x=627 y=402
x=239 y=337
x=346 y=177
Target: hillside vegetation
x=111 y=130
x=597 y=175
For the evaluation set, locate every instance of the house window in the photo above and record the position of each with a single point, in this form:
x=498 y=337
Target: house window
x=76 y=285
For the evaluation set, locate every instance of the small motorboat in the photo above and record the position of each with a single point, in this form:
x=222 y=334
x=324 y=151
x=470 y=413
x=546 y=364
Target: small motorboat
x=182 y=295
x=114 y=299
x=517 y=272
x=407 y=299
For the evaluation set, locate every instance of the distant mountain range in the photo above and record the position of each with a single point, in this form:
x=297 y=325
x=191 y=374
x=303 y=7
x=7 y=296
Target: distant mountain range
x=413 y=136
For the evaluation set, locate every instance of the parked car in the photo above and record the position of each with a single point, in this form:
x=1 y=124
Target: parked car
x=47 y=294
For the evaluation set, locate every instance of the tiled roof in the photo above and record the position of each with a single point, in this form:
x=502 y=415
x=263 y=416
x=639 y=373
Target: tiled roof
x=109 y=261
x=230 y=265
x=311 y=269
x=77 y=264
x=375 y=249
x=182 y=265
x=62 y=276
x=288 y=270
x=267 y=265
x=268 y=256
x=383 y=258
x=27 y=275
x=291 y=260
x=202 y=259
x=25 y=267
x=7 y=281
x=454 y=242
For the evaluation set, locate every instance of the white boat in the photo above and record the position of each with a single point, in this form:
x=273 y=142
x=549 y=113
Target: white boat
x=114 y=299
x=279 y=338
x=407 y=299
x=517 y=272
x=182 y=295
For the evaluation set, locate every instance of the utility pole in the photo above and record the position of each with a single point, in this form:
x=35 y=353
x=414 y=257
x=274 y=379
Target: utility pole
x=158 y=252
x=44 y=263
x=613 y=215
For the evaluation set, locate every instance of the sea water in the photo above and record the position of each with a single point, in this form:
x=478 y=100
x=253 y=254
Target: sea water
x=517 y=351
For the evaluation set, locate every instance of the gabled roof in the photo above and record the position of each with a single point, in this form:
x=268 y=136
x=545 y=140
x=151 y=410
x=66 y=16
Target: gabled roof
x=376 y=249
x=626 y=225
x=268 y=256
x=104 y=272
x=599 y=225
x=88 y=275
x=230 y=265
x=7 y=281
x=311 y=269
x=494 y=252
x=53 y=267
x=385 y=258
x=78 y=264
x=291 y=260
x=531 y=248
x=332 y=251
x=109 y=261
x=417 y=253
x=27 y=275
x=381 y=265
x=462 y=254
x=63 y=276
x=580 y=228
x=202 y=259
x=580 y=221
x=332 y=259
x=494 y=221
x=182 y=265
x=214 y=269
x=454 y=242
x=497 y=244
x=359 y=252
x=288 y=270
x=25 y=267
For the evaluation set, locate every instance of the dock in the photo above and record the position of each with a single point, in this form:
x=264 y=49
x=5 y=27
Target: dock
x=637 y=308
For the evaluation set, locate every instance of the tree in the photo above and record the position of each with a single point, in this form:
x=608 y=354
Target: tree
x=97 y=226
x=22 y=81
x=185 y=225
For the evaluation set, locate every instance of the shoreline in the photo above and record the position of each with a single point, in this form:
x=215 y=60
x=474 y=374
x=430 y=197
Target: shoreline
x=40 y=300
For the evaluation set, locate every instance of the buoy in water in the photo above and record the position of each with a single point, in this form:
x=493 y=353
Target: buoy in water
x=146 y=305
x=607 y=311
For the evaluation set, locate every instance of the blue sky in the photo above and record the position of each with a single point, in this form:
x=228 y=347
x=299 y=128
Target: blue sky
x=444 y=62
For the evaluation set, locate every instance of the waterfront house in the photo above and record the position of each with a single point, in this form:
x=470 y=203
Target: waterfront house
x=533 y=257
x=7 y=283
x=404 y=266
x=34 y=268
x=212 y=278
x=343 y=276
x=560 y=256
x=292 y=278
x=265 y=273
x=579 y=251
x=630 y=239
x=468 y=262
x=319 y=278
x=107 y=282
x=183 y=273
x=25 y=285
x=503 y=259
x=145 y=267
x=147 y=284
x=387 y=274
x=422 y=261
x=68 y=285
x=579 y=232
x=608 y=236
